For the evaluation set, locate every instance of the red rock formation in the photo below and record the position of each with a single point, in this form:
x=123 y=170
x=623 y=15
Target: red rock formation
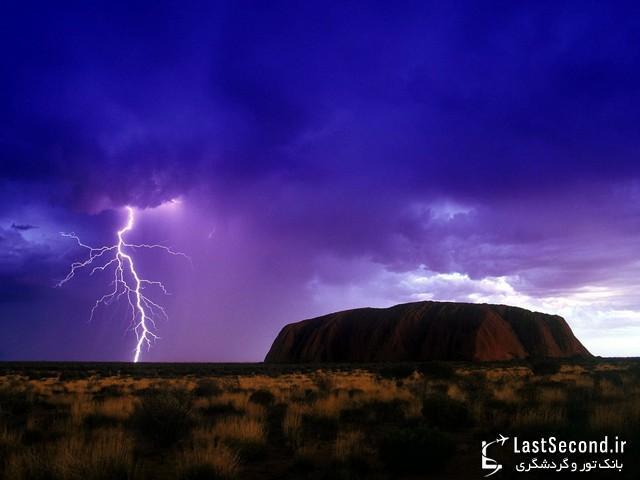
x=426 y=331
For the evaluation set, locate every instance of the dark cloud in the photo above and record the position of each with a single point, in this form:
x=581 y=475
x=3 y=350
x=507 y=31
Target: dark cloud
x=23 y=226
x=455 y=96
x=26 y=268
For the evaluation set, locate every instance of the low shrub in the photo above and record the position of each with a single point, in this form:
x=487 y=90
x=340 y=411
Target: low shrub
x=355 y=392
x=245 y=435
x=109 y=391
x=613 y=377
x=207 y=387
x=396 y=372
x=544 y=366
x=162 y=418
x=374 y=412
x=14 y=403
x=219 y=409
x=446 y=413
x=106 y=457
x=214 y=462
x=440 y=370
x=319 y=427
x=324 y=383
x=30 y=464
x=262 y=397
x=350 y=448
x=199 y=471
x=99 y=420
x=415 y=449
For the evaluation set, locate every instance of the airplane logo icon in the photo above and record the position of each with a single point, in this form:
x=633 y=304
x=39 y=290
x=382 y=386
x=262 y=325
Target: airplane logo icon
x=489 y=463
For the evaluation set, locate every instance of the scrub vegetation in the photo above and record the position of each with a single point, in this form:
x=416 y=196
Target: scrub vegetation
x=119 y=421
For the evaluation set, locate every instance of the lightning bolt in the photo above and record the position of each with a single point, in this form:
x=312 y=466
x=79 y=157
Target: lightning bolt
x=127 y=282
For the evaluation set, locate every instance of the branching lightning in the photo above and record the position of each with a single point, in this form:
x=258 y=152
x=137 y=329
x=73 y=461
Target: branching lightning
x=127 y=282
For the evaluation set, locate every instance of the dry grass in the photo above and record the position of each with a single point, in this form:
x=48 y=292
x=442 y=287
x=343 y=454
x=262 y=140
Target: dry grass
x=238 y=400
x=9 y=439
x=243 y=429
x=310 y=454
x=350 y=445
x=254 y=410
x=109 y=452
x=210 y=460
x=330 y=406
x=506 y=374
x=552 y=395
x=456 y=393
x=83 y=428
x=507 y=394
x=119 y=408
x=292 y=424
x=539 y=417
x=603 y=417
x=81 y=408
x=107 y=455
x=610 y=391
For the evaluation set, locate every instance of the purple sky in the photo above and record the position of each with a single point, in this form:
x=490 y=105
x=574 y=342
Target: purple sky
x=318 y=158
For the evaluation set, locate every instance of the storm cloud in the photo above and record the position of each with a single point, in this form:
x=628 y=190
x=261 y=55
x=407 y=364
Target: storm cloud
x=319 y=150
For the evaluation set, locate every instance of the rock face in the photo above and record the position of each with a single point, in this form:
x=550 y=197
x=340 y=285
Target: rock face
x=426 y=331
